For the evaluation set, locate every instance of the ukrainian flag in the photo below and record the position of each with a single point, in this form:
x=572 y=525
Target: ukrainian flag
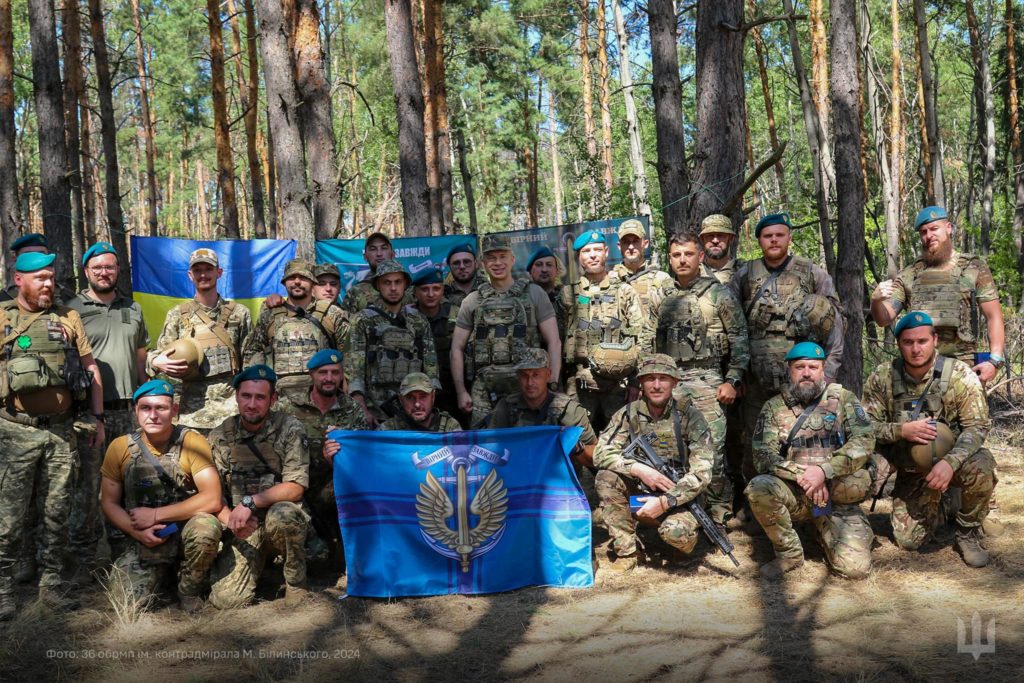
x=252 y=271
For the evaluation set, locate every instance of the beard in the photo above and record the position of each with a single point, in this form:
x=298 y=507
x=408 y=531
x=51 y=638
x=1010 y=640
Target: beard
x=716 y=252
x=807 y=392
x=40 y=300
x=253 y=420
x=103 y=289
x=939 y=256
x=327 y=392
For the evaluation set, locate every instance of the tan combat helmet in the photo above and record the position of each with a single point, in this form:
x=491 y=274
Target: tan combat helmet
x=189 y=350
x=925 y=455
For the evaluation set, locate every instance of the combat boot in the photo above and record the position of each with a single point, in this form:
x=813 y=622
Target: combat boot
x=780 y=565
x=190 y=604
x=8 y=606
x=968 y=544
x=295 y=595
x=25 y=569
x=624 y=563
x=57 y=599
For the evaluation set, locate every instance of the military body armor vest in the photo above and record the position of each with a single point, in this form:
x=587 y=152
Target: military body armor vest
x=943 y=295
x=220 y=358
x=248 y=474
x=36 y=358
x=550 y=413
x=687 y=330
x=392 y=349
x=640 y=284
x=504 y=324
x=598 y=339
x=668 y=441
x=294 y=340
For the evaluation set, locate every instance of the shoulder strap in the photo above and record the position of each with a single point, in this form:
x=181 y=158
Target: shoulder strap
x=21 y=328
x=677 y=430
x=218 y=328
x=304 y=314
x=248 y=441
x=940 y=362
x=772 y=277
x=798 y=424
x=176 y=438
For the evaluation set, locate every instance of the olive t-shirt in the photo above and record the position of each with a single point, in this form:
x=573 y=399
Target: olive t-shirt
x=538 y=297
x=116 y=332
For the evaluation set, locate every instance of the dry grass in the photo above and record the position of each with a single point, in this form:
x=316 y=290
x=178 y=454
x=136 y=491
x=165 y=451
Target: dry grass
x=126 y=608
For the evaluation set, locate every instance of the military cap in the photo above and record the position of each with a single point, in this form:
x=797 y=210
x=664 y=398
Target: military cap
x=415 y=381
x=912 y=320
x=494 y=242
x=428 y=276
x=658 y=364
x=632 y=227
x=929 y=214
x=533 y=359
x=465 y=247
x=326 y=269
x=772 y=219
x=32 y=239
x=154 y=387
x=387 y=267
x=589 y=237
x=805 y=351
x=377 y=235
x=716 y=222
x=31 y=261
x=543 y=252
x=255 y=372
x=324 y=357
x=96 y=250
x=298 y=267
x=204 y=255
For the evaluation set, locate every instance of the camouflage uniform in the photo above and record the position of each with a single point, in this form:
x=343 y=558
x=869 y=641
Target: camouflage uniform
x=363 y=293
x=955 y=398
x=205 y=402
x=837 y=437
x=455 y=295
x=723 y=274
x=285 y=341
x=283 y=527
x=682 y=438
x=702 y=327
x=383 y=348
x=442 y=327
x=440 y=421
x=604 y=314
x=644 y=281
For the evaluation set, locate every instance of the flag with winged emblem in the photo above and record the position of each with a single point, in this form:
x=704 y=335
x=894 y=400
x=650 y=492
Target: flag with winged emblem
x=463 y=512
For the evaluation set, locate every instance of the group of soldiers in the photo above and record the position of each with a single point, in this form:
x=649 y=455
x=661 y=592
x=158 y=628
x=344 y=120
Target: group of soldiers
x=220 y=464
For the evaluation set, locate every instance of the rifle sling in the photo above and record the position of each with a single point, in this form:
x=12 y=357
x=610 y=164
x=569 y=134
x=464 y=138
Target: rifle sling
x=772 y=277
x=219 y=331
x=256 y=451
x=148 y=455
x=303 y=313
x=798 y=424
x=936 y=374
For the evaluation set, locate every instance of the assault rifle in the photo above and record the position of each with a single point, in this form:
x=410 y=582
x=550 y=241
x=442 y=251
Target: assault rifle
x=639 y=450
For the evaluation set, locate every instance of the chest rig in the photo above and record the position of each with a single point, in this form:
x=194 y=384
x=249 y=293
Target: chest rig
x=504 y=324
x=686 y=327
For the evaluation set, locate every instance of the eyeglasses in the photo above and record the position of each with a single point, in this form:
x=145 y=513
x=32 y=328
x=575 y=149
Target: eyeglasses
x=103 y=269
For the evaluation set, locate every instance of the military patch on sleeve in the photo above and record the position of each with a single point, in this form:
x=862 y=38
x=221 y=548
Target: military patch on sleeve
x=759 y=427
x=862 y=416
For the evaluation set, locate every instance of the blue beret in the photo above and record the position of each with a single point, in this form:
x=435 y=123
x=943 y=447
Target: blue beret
x=772 y=219
x=154 y=387
x=264 y=372
x=912 y=320
x=96 y=250
x=32 y=261
x=543 y=252
x=465 y=247
x=323 y=357
x=32 y=239
x=806 y=351
x=588 y=237
x=429 y=276
x=929 y=214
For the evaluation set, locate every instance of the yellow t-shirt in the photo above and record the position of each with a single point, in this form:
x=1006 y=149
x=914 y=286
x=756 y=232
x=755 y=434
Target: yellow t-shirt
x=195 y=456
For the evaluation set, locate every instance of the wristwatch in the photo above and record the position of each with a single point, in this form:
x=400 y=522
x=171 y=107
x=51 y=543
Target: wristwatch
x=552 y=386
x=671 y=500
x=735 y=382
x=996 y=360
x=248 y=502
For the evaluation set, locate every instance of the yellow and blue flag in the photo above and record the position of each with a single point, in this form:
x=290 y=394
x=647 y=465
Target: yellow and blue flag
x=252 y=271
x=463 y=512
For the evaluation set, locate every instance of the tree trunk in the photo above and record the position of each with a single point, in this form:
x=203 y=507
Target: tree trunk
x=985 y=117
x=467 y=179
x=846 y=125
x=556 y=166
x=282 y=102
x=89 y=156
x=409 y=108
x=271 y=179
x=819 y=63
x=74 y=86
x=53 y=160
x=894 y=198
x=204 y=209
x=8 y=136
x=437 y=93
x=636 y=150
x=317 y=127
x=769 y=106
x=587 y=78
x=935 y=192
x=248 y=87
x=1017 y=152
x=148 y=122
x=221 y=131
x=668 y=114
x=604 y=97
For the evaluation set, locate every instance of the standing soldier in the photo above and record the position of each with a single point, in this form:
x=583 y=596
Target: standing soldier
x=545 y=271
x=160 y=488
x=607 y=332
x=701 y=325
x=681 y=437
x=717 y=234
x=262 y=456
x=385 y=345
x=504 y=317
x=117 y=334
x=360 y=295
x=432 y=304
x=811 y=444
x=416 y=410
x=464 y=274
x=931 y=418
x=328 y=282
x=32 y=242
x=49 y=375
x=643 y=277
x=786 y=299
x=286 y=337
x=201 y=346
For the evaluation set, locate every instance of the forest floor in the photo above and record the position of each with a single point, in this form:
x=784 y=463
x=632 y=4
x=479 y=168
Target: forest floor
x=679 y=621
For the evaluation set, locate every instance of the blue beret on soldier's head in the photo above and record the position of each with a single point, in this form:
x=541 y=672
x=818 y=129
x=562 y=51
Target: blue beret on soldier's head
x=255 y=372
x=543 y=252
x=154 y=387
x=772 y=219
x=589 y=237
x=324 y=357
x=805 y=351
x=428 y=276
x=912 y=320
x=31 y=261
x=32 y=239
x=465 y=247
x=929 y=214
x=96 y=250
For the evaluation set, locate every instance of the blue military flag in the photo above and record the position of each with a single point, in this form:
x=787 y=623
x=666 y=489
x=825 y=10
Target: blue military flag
x=462 y=512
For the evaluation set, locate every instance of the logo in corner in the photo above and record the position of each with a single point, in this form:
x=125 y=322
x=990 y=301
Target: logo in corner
x=977 y=647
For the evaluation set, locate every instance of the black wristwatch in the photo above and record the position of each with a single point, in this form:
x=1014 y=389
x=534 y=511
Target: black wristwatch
x=248 y=502
x=671 y=500
x=735 y=382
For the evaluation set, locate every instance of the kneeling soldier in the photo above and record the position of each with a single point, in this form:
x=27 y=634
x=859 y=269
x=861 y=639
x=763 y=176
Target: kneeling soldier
x=159 y=487
x=810 y=445
x=416 y=408
x=263 y=460
x=931 y=420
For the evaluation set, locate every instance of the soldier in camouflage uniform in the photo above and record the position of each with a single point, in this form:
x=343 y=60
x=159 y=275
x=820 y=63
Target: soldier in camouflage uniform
x=811 y=445
x=786 y=299
x=464 y=276
x=219 y=327
x=545 y=271
x=495 y=325
x=607 y=332
x=717 y=234
x=328 y=282
x=286 y=337
x=432 y=304
x=417 y=412
x=700 y=324
x=25 y=244
x=360 y=295
x=46 y=367
x=904 y=399
x=682 y=438
x=262 y=456
x=387 y=342
x=643 y=277
x=160 y=475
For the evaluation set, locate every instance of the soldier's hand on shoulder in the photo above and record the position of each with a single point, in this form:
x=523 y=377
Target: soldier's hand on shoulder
x=918 y=431
x=274 y=300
